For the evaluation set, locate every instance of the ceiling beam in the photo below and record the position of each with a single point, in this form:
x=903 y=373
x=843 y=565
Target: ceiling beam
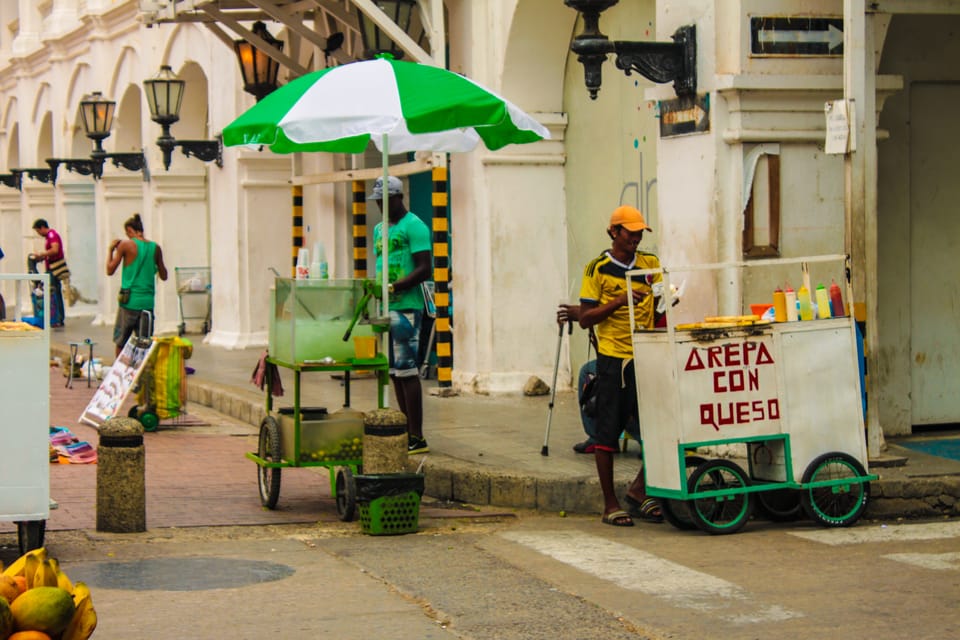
x=294 y=22
x=295 y=67
x=382 y=20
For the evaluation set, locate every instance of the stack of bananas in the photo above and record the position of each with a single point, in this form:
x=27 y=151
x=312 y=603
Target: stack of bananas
x=38 y=601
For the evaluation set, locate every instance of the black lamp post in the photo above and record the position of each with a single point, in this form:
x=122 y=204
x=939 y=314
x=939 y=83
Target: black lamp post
x=657 y=61
x=259 y=70
x=164 y=97
x=97 y=115
x=375 y=40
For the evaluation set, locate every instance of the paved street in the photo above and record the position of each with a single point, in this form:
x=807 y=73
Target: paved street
x=522 y=577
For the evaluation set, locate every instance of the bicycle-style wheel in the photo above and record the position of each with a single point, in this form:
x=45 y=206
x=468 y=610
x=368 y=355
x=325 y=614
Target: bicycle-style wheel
x=268 y=478
x=725 y=512
x=837 y=493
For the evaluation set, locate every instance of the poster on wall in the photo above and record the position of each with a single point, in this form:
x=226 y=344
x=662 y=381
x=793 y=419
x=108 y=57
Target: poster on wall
x=118 y=383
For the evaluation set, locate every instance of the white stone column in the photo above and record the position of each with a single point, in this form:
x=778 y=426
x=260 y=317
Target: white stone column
x=178 y=220
x=77 y=206
x=250 y=233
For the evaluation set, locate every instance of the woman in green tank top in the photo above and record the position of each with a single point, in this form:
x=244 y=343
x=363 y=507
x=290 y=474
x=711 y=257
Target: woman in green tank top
x=142 y=262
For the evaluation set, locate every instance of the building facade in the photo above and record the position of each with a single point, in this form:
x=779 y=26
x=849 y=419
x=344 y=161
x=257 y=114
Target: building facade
x=748 y=152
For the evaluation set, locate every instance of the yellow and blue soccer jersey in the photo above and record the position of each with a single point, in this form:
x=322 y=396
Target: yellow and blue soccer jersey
x=604 y=279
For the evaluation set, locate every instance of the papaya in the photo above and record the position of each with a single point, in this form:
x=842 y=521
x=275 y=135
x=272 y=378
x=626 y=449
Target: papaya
x=46 y=609
x=6 y=618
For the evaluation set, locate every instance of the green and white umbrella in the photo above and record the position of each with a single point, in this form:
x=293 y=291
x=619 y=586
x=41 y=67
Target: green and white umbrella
x=401 y=106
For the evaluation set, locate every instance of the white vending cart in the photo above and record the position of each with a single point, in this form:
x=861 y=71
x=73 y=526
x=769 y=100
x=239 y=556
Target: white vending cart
x=788 y=392
x=25 y=429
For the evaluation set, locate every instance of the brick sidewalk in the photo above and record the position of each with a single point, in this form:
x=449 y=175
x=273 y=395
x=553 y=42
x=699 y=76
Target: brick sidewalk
x=195 y=475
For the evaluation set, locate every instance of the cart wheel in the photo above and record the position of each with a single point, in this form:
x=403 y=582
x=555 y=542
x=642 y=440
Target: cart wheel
x=134 y=412
x=779 y=505
x=206 y=328
x=677 y=512
x=30 y=535
x=840 y=504
x=268 y=478
x=182 y=329
x=149 y=420
x=346 y=494
x=720 y=514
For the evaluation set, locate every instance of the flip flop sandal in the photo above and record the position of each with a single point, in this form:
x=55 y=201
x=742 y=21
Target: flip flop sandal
x=647 y=509
x=619 y=518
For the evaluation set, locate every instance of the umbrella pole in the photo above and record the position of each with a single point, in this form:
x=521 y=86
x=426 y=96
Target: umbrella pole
x=385 y=256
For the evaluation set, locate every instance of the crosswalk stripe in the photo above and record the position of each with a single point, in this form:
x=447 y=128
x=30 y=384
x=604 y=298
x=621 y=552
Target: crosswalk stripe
x=882 y=533
x=935 y=561
x=637 y=570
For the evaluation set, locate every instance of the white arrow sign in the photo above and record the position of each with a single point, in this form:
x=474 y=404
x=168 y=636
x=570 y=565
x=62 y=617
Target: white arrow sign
x=832 y=36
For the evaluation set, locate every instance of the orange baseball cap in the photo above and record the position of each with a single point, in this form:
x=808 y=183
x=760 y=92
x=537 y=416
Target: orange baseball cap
x=629 y=218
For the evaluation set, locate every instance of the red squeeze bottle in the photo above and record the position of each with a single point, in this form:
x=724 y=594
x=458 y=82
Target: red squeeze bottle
x=836 y=301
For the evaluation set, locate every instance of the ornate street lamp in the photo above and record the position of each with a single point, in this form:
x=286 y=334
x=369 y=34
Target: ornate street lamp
x=96 y=112
x=259 y=70
x=375 y=40
x=164 y=97
x=657 y=61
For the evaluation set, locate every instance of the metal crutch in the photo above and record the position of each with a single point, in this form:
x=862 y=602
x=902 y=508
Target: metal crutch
x=545 y=450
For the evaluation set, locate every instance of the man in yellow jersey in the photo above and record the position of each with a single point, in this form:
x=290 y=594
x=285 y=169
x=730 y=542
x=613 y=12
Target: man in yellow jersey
x=604 y=306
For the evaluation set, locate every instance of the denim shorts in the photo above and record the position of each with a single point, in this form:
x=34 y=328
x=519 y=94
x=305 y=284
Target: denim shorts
x=404 y=343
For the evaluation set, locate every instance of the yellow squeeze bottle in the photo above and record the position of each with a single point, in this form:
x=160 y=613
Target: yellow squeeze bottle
x=779 y=305
x=803 y=297
x=823 y=302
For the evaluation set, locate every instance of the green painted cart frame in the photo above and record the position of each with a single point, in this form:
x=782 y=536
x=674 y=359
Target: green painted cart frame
x=269 y=457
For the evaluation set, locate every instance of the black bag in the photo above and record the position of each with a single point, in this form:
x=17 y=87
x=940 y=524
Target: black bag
x=588 y=395
x=60 y=270
x=123 y=297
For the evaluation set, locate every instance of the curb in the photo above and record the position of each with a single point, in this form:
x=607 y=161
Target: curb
x=894 y=495
x=449 y=478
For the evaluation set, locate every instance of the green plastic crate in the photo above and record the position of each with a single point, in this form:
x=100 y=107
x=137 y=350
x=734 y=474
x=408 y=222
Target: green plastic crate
x=391 y=515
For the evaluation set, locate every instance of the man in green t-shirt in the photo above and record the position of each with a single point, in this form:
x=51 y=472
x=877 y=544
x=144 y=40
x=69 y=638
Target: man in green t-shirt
x=408 y=268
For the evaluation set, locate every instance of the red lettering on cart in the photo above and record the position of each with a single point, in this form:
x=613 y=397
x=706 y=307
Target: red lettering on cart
x=718 y=414
x=732 y=354
x=736 y=380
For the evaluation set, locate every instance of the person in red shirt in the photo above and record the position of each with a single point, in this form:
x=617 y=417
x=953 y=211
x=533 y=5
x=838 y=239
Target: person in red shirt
x=52 y=251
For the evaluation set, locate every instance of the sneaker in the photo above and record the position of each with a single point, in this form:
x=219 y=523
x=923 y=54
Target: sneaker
x=587 y=446
x=416 y=444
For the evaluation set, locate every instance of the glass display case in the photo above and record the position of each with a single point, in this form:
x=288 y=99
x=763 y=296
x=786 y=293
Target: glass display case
x=309 y=319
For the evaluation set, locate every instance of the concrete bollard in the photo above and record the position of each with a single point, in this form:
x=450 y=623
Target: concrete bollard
x=121 y=482
x=384 y=441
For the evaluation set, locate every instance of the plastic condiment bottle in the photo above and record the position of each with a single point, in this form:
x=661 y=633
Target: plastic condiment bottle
x=791 y=297
x=803 y=297
x=823 y=302
x=836 y=301
x=318 y=268
x=779 y=305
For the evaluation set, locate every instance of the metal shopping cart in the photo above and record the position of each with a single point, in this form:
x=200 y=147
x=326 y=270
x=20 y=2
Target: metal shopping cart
x=193 y=296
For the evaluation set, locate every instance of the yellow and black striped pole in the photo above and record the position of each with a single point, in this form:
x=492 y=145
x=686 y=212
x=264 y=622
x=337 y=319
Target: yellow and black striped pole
x=441 y=278
x=359 y=230
x=297 y=226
